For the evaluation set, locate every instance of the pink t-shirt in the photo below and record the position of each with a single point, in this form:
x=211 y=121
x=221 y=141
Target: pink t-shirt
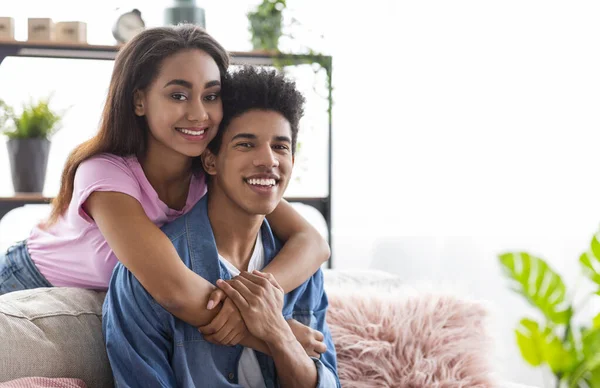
x=72 y=252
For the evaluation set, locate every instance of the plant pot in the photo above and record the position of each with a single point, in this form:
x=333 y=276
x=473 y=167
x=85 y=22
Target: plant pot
x=28 y=163
x=185 y=11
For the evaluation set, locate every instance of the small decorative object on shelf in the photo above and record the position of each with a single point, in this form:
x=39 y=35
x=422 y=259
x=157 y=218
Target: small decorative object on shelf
x=185 y=11
x=29 y=143
x=40 y=30
x=7 y=28
x=71 y=32
x=128 y=25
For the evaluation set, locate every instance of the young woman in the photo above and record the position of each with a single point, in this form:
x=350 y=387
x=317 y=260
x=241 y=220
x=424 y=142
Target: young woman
x=142 y=170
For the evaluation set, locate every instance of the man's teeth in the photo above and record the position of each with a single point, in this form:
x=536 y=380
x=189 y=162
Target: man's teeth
x=189 y=132
x=262 y=182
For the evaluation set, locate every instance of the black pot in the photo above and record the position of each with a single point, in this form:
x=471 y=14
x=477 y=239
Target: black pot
x=28 y=163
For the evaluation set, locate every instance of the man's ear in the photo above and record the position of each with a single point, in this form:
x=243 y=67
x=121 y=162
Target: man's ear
x=138 y=103
x=209 y=162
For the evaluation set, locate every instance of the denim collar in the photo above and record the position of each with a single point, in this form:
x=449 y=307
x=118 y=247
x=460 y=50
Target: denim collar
x=204 y=257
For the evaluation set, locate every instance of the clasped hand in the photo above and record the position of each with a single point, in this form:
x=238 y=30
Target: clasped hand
x=252 y=304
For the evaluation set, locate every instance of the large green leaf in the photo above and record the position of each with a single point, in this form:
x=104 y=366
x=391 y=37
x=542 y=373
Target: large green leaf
x=530 y=340
x=590 y=261
x=543 y=346
x=590 y=340
x=594 y=379
x=596 y=321
x=538 y=283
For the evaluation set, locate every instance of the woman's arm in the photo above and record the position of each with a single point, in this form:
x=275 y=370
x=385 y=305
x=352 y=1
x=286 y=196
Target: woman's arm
x=149 y=254
x=304 y=250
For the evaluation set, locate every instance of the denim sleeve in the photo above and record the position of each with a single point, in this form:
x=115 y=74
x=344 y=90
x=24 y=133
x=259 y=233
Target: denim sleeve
x=327 y=364
x=313 y=301
x=137 y=343
x=326 y=377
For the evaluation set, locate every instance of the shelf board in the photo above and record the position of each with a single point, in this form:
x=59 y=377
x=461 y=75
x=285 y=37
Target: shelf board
x=100 y=52
x=26 y=197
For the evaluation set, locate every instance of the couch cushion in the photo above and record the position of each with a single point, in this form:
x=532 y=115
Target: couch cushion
x=53 y=332
x=44 y=382
x=405 y=338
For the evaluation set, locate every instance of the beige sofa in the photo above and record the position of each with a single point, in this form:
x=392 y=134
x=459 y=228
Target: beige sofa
x=56 y=332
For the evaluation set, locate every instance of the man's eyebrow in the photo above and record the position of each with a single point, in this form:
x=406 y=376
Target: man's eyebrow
x=244 y=136
x=189 y=85
x=283 y=138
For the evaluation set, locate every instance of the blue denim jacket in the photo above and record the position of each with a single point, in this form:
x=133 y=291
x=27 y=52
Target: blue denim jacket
x=149 y=347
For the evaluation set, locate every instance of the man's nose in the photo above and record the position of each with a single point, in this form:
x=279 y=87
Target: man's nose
x=265 y=157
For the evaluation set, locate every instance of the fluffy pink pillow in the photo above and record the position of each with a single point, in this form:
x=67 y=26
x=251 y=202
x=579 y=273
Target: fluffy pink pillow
x=43 y=382
x=389 y=339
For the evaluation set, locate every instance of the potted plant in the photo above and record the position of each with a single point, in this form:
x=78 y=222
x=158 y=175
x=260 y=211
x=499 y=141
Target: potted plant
x=29 y=142
x=556 y=340
x=265 y=24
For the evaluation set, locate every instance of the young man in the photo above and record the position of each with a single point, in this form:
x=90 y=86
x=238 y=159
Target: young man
x=226 y=239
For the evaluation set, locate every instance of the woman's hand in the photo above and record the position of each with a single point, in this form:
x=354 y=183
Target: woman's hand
x=228 y=327
x=310 y=339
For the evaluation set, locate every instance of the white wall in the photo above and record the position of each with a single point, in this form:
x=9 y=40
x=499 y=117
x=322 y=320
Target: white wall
x=465 y=129
x=462 y=129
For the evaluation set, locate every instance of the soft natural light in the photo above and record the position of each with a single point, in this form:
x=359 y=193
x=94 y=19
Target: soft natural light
x=461 y=128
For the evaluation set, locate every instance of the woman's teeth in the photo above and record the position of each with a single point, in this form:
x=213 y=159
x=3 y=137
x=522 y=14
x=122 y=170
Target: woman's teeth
x=262 y=182
x=190 y=132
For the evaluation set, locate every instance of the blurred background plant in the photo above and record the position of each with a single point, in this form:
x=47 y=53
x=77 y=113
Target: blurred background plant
x=266 y=24
x=569 y=350
x=28 y=143
x=37 y=120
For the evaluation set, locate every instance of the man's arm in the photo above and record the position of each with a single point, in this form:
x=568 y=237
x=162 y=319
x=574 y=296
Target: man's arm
x=313 y=314
x=137 y=344
x=294 y=367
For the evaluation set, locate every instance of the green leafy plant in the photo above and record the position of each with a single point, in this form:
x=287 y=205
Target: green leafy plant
x=266 y=24
x=37 y=120
x=572 y=353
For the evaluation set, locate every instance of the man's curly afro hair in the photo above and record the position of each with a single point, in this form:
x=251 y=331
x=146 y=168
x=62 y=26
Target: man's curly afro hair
x=254 y=88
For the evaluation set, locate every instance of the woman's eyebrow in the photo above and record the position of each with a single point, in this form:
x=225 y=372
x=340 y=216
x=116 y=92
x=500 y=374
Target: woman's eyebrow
x=179 y=82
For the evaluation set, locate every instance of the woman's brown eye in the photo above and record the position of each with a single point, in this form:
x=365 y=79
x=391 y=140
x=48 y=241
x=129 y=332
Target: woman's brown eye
x=178 y=97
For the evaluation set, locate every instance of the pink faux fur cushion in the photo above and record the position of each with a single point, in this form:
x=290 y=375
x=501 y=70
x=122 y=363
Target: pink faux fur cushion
x=43 y=382
x=388 y=339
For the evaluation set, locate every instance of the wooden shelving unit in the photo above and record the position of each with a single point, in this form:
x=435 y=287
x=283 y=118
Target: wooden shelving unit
x=99 y=52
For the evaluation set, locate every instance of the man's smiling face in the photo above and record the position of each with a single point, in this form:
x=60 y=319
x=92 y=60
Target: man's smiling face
x=254 y=162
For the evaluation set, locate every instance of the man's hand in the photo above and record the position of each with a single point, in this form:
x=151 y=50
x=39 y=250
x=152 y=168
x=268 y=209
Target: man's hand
x=310 y=339
x=259 y=298
x=227 y=328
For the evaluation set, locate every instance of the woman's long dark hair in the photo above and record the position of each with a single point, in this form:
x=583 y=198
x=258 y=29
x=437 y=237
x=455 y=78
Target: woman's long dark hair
x=136 y=66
